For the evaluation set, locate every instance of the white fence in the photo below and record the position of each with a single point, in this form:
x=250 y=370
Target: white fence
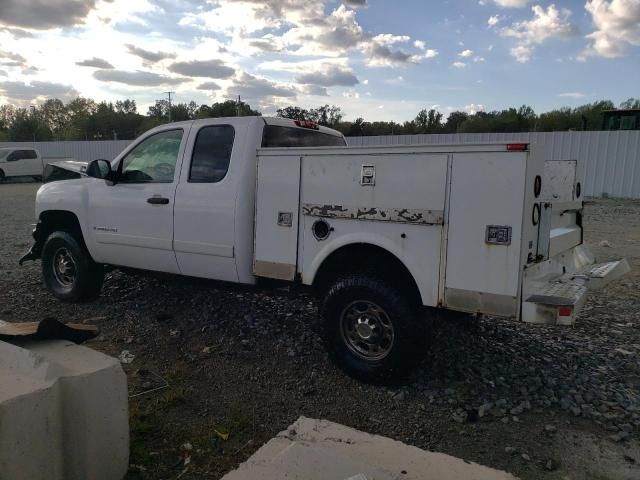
x=612 y=159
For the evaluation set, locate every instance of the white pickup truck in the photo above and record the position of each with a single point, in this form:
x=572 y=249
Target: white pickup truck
x=19 y=162
x=386 y=235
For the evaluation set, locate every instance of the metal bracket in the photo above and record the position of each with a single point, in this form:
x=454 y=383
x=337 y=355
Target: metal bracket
x=368 y=178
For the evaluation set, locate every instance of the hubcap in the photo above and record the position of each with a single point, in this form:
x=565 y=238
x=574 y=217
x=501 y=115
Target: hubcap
x=366 y=330
x=64 y=267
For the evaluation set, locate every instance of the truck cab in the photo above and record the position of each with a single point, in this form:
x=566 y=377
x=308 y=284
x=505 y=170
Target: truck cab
x=19 y=162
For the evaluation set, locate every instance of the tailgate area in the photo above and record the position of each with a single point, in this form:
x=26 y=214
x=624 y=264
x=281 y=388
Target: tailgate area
x=558 y=301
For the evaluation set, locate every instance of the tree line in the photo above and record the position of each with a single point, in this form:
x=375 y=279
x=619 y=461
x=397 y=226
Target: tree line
x=86 y=119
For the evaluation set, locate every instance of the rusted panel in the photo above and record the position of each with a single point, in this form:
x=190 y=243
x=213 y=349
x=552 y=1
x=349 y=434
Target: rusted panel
x=278 y=271
x=481 y=302
x=375 y=214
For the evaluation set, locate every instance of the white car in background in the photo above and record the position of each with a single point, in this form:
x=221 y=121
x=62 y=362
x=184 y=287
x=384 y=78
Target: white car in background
x=18 y=162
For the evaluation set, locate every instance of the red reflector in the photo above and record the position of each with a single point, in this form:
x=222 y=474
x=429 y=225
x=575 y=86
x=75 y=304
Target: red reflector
x=517 y=147
x=307 y=124
x=565 y=311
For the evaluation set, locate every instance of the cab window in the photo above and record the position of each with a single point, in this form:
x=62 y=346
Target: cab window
x=278 y=136
x=153 y=160
x=211 y=154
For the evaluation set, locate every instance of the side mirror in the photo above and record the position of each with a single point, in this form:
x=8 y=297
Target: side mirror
x=100 y=168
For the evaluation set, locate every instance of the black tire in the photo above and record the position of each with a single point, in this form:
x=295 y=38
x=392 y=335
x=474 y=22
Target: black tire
x=352 y=294
x=2 y=176
x=81 y=281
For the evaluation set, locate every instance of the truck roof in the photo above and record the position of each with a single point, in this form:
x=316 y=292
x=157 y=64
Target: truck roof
x=284 y=122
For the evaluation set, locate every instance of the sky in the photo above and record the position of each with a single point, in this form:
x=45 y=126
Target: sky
x=376 y=59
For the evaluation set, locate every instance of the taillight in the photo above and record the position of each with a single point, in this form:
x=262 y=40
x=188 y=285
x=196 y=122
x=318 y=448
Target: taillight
x=565 y=311
x=307 y=124
x=517 y=147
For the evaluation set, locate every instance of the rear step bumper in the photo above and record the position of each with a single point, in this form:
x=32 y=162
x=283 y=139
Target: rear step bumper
x=557 y=299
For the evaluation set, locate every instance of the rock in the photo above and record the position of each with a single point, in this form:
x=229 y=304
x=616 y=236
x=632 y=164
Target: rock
x=619 y=437
x=400 y=396
x=126 y=357
x=551 y=465
x=626 y=427
x=459 y=416
x=605 y=244
x=624 y=352
x=550 y=429
x=526 y=457
x=510 y=450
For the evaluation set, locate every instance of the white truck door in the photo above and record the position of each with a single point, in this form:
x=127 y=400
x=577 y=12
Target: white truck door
x=132 y=221
x=32 y=163
x=204 y=211
x=486 y=232
x=18 y=163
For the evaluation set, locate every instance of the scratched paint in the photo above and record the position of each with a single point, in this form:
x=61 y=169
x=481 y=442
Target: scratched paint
x=375 y=214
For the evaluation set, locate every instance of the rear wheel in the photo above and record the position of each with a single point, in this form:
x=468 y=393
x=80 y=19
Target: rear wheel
x=371 y=329
x=68 y=270
x=2 y=176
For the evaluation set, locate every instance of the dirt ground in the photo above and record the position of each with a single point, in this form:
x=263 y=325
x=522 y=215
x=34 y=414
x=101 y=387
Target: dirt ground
x=246 y=363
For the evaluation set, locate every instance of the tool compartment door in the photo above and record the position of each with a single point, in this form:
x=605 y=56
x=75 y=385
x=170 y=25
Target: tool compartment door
x=277 y=216
x=485 y=232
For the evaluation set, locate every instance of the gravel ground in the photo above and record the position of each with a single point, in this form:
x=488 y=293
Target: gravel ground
x=539 y=402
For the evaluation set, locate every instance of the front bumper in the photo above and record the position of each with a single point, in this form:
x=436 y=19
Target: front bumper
x=35 y=251
x=555 y=291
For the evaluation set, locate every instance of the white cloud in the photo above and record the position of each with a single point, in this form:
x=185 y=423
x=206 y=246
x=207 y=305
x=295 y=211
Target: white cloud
x=512 y=3
x=494 y=20
x=478 y=59
x=545 y=24
x=473 y=108
x=572 y=95
x=617 y=25
x=522 y=53
x=465 y=53
x=459 y=64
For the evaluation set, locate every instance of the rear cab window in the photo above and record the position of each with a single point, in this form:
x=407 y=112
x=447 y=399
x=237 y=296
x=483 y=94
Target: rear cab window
x=278 y=136
x=211 y=154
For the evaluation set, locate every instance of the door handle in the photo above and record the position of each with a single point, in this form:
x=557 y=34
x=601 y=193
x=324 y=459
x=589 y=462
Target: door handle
x=158 y=201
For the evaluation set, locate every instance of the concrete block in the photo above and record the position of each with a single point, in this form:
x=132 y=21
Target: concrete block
x=63 y=413
x=321 y=450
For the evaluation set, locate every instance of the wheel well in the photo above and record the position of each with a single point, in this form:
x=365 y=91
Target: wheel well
x=55 y=220
x=366 y=258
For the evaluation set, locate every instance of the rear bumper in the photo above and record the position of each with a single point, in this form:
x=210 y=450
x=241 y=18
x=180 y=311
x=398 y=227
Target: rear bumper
x=555 y=291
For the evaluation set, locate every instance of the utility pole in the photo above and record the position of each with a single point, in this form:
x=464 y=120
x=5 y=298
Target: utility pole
x=169 y=94
x=238 y=104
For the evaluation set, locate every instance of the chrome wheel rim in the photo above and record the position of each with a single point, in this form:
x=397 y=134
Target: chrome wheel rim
x=64 y=267
x=367 y=330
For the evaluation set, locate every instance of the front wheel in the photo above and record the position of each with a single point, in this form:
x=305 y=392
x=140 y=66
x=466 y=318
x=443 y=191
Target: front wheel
x=68 y=270
x=371 y=329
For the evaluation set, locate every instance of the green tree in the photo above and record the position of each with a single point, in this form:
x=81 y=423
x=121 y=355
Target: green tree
x=28 y=126
x=632 y=103
x=428 y=121
x=294 y=113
